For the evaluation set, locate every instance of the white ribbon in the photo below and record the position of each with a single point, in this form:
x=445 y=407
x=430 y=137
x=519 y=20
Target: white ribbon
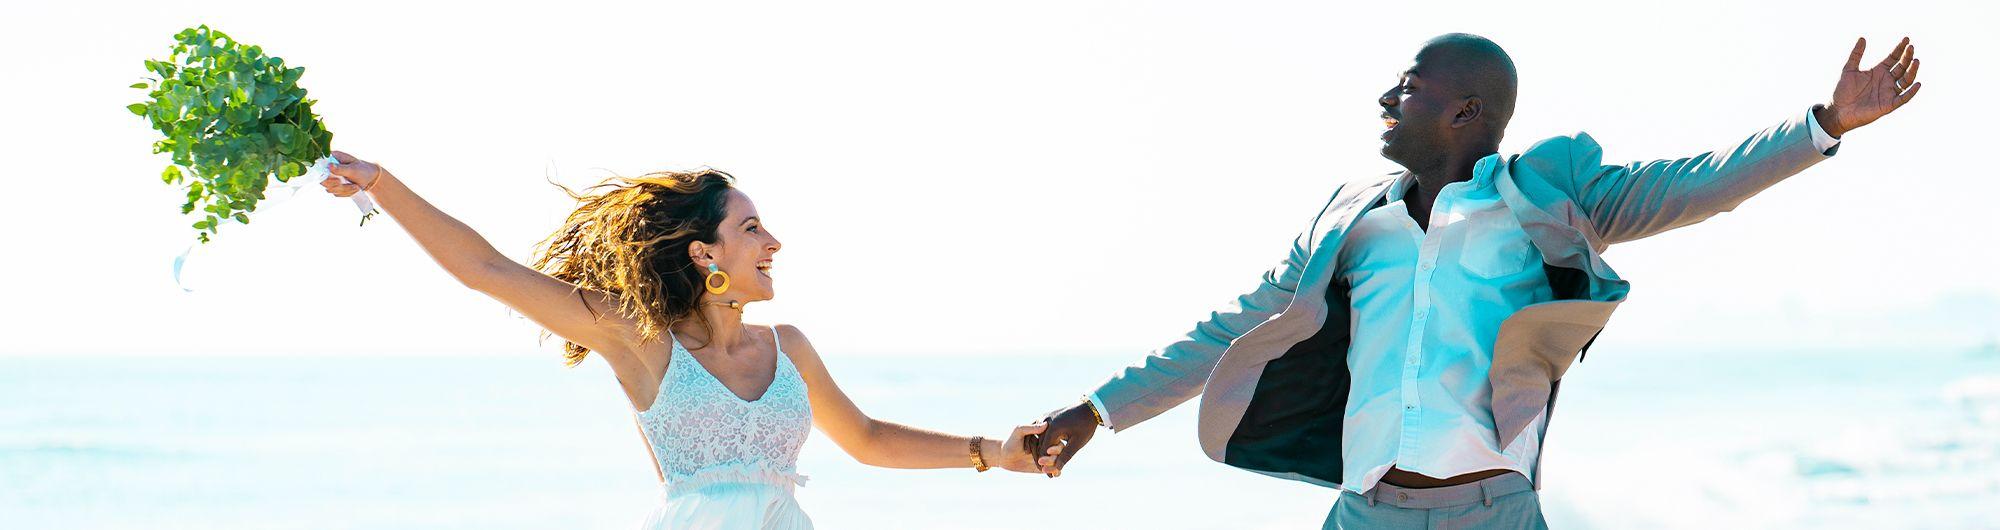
x=320 y=170
x=323 y=168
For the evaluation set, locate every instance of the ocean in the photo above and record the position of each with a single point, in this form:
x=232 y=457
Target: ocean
x=1655 y=440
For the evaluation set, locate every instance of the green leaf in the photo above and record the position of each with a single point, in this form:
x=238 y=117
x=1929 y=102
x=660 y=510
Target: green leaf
x=173 y=173
x=137 y=108
x=240 y=114
x=240 y=218
x=138 y=85
x=279 y=107
x=288 y=171
x=284 y=132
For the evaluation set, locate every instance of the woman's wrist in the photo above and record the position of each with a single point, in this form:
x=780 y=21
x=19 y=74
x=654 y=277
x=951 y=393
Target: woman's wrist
x=992 y=452
x=382 y=176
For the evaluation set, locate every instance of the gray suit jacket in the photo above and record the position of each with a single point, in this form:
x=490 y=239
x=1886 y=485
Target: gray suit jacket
x=1273 y=375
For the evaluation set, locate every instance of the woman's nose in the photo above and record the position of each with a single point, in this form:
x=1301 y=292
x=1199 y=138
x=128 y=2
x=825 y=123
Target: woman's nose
x=1388 y=99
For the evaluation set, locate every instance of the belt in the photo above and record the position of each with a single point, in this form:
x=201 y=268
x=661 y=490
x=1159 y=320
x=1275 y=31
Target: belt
x=1482 y=491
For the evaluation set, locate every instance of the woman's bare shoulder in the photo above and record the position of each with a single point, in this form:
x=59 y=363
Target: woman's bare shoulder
x=793 y=342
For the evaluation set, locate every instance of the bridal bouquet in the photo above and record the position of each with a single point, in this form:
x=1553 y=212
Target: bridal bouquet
x=232 y=118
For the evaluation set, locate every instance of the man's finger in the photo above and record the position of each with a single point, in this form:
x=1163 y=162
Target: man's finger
x=1058 y=456
x=1907 y=95
x=1042 y=442
x=1063 y=459
x=1854 y=59
x=1895 y=53
x=1902 y=64
x=343 y=157
x=1910 y=77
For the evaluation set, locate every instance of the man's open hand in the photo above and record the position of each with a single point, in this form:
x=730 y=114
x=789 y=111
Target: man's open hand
x=1862 y=96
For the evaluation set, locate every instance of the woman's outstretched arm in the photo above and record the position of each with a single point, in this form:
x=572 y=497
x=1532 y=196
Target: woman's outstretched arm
x=889 y=444
x=582 y=316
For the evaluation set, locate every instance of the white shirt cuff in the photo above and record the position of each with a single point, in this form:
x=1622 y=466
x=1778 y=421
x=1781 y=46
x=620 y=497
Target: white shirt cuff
x=1101 y=411
x=1821 y=140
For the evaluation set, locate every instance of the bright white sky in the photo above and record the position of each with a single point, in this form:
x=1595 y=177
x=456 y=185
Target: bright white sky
x=954 y=178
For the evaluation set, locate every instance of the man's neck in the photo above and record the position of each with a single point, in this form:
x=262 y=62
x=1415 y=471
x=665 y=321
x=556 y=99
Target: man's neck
x=1429 y=182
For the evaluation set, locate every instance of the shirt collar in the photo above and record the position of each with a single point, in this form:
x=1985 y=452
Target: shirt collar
x=1485 y=169
x=1483 y=173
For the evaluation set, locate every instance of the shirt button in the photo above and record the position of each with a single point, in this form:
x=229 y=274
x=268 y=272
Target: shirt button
x=1421 y=313
x=1409 y=407
x=1426 y=267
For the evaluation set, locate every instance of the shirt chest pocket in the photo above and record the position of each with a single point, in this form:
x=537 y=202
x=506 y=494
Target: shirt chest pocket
x=1496 y=247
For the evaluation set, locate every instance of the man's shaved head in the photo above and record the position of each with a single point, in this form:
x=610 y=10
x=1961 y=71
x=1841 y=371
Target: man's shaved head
x=1478 y=67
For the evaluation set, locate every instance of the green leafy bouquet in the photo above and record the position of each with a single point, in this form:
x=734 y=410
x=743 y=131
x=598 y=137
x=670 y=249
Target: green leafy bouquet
x=232 y=118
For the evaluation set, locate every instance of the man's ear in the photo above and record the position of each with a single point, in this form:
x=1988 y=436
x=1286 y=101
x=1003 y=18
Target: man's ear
x=1468 y=112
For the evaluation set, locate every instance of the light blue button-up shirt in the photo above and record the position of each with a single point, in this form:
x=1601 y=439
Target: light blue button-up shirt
x=1427 y=306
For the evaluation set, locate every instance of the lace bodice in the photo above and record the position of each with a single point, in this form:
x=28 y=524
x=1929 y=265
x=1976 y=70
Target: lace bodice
x=702 y=433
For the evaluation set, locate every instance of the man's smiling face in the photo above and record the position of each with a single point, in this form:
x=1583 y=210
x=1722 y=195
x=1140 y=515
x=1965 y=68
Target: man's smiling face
x=1414 y=117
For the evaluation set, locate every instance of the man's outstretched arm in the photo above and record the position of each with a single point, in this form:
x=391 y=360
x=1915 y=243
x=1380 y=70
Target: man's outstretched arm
x=1636 y=200
x=1176 y=373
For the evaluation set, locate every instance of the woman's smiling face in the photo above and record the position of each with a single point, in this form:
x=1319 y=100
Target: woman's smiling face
x=743 y=249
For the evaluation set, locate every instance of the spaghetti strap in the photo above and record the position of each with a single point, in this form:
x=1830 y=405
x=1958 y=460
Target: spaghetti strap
x=775 y=342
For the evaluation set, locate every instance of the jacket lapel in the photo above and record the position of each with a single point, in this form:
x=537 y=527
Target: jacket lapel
x=1537 y=344
x=1234 y=383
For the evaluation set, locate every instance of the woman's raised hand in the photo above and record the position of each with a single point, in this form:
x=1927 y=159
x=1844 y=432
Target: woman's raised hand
x=361 y=175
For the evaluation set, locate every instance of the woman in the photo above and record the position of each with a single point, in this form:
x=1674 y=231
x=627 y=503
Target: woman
x=652 y=274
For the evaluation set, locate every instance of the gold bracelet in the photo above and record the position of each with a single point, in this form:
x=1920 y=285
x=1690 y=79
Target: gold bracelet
x=1093 y=411
x=978 y=461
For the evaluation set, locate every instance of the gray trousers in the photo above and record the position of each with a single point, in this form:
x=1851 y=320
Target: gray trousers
x=1507 y=501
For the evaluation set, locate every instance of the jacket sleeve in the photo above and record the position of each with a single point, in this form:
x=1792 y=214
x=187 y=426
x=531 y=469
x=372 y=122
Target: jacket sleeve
x=1176 y=373
x=1639 y=199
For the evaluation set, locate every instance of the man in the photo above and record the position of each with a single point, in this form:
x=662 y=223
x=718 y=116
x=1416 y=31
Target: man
x=1408 y=349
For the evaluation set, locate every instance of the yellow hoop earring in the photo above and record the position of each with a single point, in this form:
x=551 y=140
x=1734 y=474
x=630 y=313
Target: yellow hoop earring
x=714 y=274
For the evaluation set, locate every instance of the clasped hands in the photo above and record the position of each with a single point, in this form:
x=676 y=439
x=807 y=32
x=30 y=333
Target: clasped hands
x=1048 y=444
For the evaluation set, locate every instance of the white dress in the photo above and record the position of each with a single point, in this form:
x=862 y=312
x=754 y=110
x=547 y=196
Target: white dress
x=728 y=463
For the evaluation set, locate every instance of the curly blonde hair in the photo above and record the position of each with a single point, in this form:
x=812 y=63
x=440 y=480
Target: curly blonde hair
x=629 y=237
